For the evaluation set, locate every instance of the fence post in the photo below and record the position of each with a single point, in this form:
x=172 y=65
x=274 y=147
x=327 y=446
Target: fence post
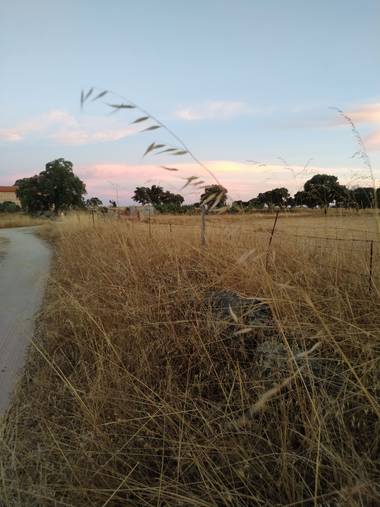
x=203 y=226
x=93 y=218
x=170 y=227
x=370 y=266
x=150 y=226
x=271 y=237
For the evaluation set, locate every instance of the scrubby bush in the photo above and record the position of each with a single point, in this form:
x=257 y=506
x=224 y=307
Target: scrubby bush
x=9 y=207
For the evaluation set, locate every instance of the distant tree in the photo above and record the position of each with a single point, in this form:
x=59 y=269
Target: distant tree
x=290 y=201
x=364 y=197
x=257 y=202
x=275 y=197
x=56 y=188
x=345 y=198
x=239 y=205
x=303 y=198
x=214 y=196
x=113 y=203
x=157 y=196
x=94 y=202
x=172 y=199
x=321 y=190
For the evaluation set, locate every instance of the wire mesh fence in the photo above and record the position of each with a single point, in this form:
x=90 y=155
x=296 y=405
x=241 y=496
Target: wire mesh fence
x=341 y=255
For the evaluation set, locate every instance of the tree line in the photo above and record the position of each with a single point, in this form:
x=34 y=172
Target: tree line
x=322 y=191
x=57 y=188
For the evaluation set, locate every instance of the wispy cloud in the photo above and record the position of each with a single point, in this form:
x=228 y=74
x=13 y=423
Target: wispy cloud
x=213 y=110
x=41 y=123
x=66 y=129
x=77 y=136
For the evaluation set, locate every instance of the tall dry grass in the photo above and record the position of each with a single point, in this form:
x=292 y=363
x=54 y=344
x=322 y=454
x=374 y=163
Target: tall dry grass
x=137 y=393
x=18 y=220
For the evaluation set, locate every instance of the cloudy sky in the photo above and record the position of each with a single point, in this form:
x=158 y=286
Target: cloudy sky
x=236 y=80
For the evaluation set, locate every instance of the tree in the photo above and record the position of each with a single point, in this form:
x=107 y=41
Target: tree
x=215 y=196
x=239 y=206
x=303 y=198
x=157 y=196
x=56 y=188
x=31 y=194
x=364 y=197
x=321 y=190
x=62 y=186
x=94 y=202
x=256 y=202
x=275 y=197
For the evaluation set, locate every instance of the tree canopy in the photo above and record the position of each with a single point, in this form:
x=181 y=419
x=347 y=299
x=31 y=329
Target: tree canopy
x=214 y=196
x=94 y=202
x=275 y=197
x=56 y=188
x=157 y=196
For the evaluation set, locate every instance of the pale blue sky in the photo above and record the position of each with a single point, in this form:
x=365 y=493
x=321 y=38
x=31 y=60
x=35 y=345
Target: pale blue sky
x=237 y=80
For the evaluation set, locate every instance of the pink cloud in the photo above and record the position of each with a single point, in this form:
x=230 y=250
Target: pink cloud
x=372 y=141
x=367 y=113
x=67 y=129
x=242 y=180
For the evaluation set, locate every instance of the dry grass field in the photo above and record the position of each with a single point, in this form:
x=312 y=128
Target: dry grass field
x=140 y=390
x=18 y=220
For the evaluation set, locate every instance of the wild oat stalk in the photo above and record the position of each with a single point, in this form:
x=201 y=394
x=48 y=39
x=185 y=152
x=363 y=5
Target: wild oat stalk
x=94 y=94
x=361 y=153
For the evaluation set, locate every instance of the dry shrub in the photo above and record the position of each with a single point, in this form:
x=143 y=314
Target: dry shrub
x=137 y=393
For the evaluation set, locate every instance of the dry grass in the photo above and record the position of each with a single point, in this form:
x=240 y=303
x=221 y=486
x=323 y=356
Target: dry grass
x=136 y=394
x=18 y=220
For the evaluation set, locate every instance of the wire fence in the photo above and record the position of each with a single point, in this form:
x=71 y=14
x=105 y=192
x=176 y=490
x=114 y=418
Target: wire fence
x=354 y=256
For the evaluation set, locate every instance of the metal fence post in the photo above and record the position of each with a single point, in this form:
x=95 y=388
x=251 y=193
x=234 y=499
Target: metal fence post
x=370 y=265
x=203 y=226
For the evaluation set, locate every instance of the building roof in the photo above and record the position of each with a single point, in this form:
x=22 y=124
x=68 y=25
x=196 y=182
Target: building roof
x=8 y=189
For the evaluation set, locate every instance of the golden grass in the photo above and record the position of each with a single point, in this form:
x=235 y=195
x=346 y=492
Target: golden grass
x=136 y=393
x=18 y=220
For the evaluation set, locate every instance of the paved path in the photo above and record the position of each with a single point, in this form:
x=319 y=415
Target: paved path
x=24 y=266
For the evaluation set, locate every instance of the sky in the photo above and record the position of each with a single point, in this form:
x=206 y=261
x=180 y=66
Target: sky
x=250 y=87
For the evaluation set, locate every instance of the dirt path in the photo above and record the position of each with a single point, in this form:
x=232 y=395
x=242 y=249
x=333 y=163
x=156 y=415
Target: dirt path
x=24 y=266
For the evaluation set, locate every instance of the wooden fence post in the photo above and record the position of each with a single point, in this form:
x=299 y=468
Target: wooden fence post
x=271 y=238
x=150 y=226
x=203 y=226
